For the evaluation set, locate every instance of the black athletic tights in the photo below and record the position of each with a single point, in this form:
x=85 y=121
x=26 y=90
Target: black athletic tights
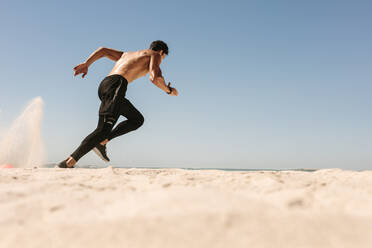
x=104 y=128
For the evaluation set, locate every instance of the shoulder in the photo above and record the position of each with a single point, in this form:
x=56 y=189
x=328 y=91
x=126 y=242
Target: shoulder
x=150 y=53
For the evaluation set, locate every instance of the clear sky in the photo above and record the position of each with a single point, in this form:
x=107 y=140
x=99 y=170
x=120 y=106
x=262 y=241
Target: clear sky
x=262 y=84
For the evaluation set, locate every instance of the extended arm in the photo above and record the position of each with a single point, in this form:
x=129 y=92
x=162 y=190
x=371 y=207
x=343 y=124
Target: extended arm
x=104 y=52
x=112 y=54
x=156 y=76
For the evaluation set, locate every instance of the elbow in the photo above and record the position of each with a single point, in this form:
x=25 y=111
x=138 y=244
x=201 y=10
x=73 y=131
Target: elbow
x=155 y=81
x=102 y=49
x=153 y=77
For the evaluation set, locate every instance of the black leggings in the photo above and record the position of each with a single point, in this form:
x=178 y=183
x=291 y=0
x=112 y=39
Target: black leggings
x=104 y=128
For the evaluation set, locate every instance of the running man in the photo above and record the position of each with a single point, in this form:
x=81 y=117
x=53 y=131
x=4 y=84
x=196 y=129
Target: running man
x=128 y=67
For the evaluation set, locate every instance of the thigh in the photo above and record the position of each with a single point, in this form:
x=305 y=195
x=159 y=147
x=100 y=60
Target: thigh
x=128 y=110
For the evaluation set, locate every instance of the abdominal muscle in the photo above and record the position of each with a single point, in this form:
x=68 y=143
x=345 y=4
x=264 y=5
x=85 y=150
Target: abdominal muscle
x=132 y=65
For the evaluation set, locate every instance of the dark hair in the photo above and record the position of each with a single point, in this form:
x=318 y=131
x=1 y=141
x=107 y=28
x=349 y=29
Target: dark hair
x=159 y=45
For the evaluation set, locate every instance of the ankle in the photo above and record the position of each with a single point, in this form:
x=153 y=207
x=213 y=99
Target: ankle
x=71 y=161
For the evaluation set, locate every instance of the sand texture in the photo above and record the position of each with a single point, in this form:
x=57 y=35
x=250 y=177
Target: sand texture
x=164 y=208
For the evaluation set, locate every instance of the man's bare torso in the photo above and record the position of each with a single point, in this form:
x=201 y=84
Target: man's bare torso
x=133 y=65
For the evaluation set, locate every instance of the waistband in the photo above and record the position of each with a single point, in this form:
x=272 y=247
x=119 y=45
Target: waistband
x=117 y=76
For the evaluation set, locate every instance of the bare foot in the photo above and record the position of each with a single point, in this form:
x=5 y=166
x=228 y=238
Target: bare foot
x=104 y=142
x=71 y=162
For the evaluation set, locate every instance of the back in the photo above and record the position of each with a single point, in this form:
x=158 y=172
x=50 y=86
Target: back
x=133 y=65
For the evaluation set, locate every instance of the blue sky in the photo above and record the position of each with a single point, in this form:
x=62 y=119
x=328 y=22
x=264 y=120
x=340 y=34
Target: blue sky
x=263 y=84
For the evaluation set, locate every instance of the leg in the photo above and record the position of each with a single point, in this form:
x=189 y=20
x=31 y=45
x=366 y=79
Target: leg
x=98 y=135
x=134 y=120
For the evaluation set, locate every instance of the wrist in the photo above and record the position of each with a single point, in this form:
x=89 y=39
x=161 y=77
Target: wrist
x=169 y=90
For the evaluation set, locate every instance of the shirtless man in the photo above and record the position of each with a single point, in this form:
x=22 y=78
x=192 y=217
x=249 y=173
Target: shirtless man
x=128 y=67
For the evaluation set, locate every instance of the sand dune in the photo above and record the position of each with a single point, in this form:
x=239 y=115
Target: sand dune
x=114 y=207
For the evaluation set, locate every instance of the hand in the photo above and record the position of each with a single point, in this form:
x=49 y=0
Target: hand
x=174 y=91
x=82 y=68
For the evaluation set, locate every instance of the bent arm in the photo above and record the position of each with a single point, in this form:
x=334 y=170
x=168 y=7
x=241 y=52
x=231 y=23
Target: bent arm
x=156 y=76
x=104 y=52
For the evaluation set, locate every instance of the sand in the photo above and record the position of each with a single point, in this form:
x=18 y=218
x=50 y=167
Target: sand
x=114 y=207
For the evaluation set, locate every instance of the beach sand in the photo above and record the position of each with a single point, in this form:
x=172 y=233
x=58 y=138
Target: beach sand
x=112 y=207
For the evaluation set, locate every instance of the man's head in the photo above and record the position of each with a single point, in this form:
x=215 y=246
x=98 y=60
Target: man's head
x=159 y=46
